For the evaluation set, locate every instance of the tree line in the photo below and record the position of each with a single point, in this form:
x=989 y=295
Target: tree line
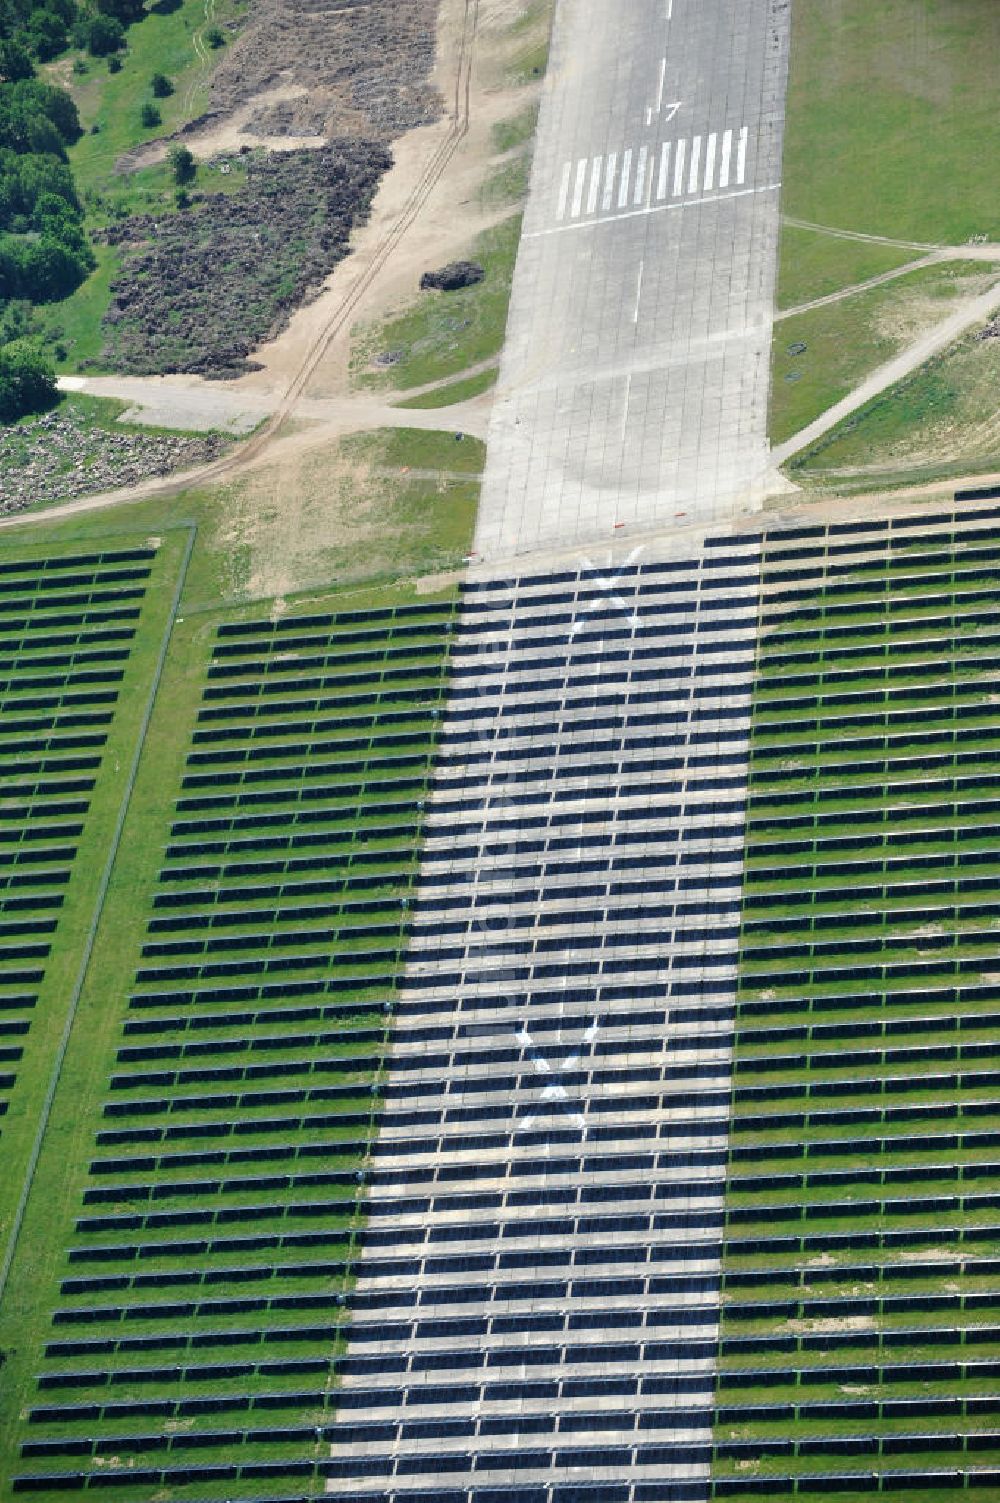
x=44 y=252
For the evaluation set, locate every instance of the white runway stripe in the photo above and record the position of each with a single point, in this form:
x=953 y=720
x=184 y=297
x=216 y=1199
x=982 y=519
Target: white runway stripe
x=640 y=176
x=595 y=185
x=710 y=146
x=564 y=191
x=679 y=168
x=581 y=178
x=661 y=185
x=727 y=152
x=626 y=173
x=695 y=164
x=609 y=182
x=699 y=164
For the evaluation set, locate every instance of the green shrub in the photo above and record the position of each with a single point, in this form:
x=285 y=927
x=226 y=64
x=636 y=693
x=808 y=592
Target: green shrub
x=27 y=380
x=183 y=165
x=161 y=86
x=214 y=37
x=104 y=35
x=149 y=116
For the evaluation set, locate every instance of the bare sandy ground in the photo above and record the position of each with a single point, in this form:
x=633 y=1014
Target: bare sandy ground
x=449 y=218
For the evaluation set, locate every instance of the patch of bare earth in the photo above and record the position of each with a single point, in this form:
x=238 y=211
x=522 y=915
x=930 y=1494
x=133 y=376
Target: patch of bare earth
x=451 y=213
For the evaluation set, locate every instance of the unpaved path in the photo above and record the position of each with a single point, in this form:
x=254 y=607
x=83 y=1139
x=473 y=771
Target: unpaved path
x=987 y=252
x=838 y=234
x=972 y=311
x=325 y=421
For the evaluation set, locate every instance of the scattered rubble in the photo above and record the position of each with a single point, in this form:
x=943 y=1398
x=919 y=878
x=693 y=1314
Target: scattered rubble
x=62 y=455
x=990 y=330
x=365 y=66
x=453 y=276
x=199 y=290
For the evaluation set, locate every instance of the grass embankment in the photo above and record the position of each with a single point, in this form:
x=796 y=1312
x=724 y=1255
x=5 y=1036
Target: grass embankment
x=940 y=422
x=864 y=1123
x=914 y=164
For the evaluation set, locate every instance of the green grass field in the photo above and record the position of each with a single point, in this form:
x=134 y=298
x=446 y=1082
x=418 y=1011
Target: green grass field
x=847 y=339
x=940 y=421
x=455 y=391
x=161 y=43
x=914 y=164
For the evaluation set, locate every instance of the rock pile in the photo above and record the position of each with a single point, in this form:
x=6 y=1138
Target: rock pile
x=61 y=456
x=453 y=276
x=364 y=66
x=199 y=290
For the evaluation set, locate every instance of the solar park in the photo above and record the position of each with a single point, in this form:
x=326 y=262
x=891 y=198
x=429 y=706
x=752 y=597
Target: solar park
x=226 y=1216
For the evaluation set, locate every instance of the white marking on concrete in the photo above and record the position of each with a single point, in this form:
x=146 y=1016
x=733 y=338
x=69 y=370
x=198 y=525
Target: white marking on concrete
x=684 y=203
x=710 y=146
x=581 y=178
x=661 y=184
x=741 y=156
x=679 y=167
x=595 y=185
x=609 y=182
x=564 y=191
x=626 y=173
x=640 y=176
x=638 y=292
x=663 y=79
x=628 y=397
x=724 y=160
x=693 y=182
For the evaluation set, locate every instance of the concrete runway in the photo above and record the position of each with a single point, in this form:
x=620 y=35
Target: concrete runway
x=635 y=375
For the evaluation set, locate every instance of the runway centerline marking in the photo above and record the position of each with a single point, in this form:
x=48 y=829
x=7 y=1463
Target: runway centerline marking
x=681 y=203
x=638 y=292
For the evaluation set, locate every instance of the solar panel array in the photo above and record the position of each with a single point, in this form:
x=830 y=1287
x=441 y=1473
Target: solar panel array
x=536 y=1311
x=68 y=624
x=860 y=1347
x=198 y=1326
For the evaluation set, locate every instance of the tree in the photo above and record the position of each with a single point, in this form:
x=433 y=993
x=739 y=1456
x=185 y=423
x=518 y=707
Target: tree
x=15 y=61
x=184 y=165
x=105 y=35
x=149 y=116
x=45 y=34
x=161 y=86
x=125 y=11
x=27 y=380
x=214 y=37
